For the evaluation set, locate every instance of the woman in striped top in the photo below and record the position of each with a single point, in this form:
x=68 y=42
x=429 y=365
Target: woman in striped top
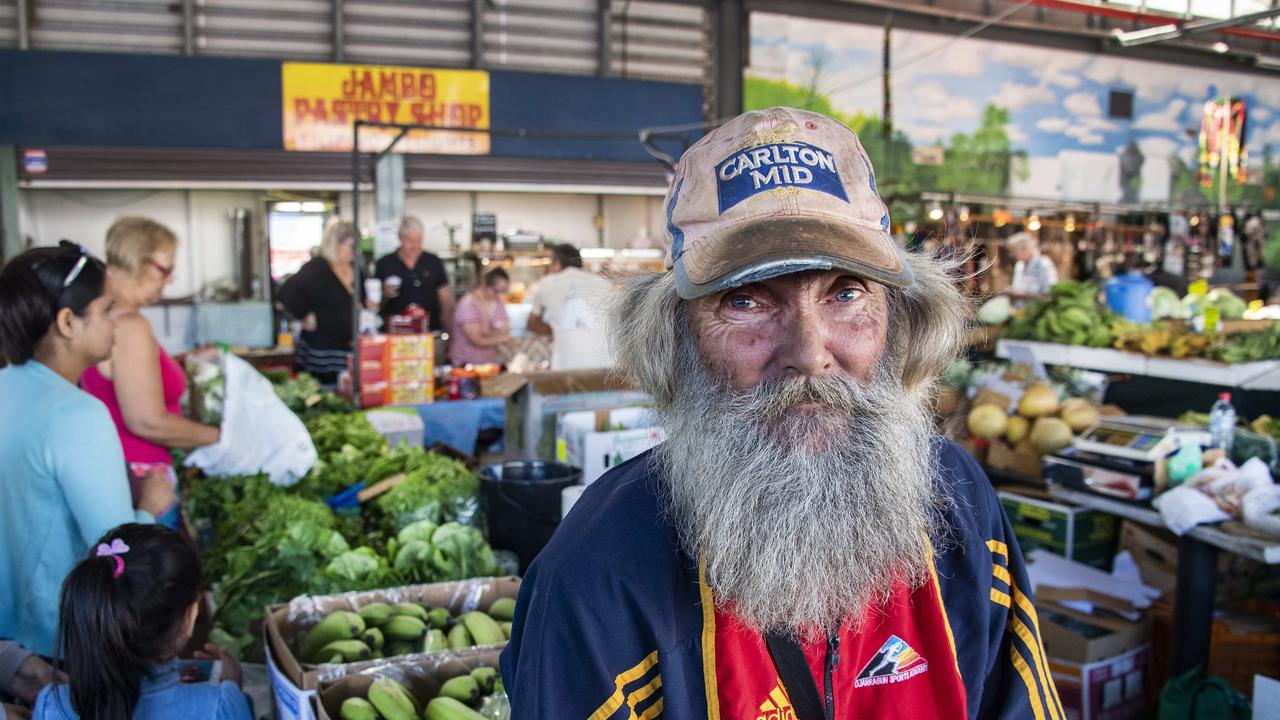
x=480 y=324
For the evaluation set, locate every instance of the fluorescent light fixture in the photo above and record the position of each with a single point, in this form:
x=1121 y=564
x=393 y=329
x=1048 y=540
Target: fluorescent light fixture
x=596 y=253
x=288 y=207
x=314 y=207
x=1148 y=35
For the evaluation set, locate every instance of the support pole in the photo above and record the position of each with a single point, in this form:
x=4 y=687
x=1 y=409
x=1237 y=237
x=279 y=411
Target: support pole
x=339 y=30
x=11 y=243
x=24 y=25
x=188 y=27
x=730 y=57
x=1193 y=604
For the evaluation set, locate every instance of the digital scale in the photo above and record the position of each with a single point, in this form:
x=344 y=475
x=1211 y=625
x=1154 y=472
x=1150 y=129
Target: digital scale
x=1120 y=456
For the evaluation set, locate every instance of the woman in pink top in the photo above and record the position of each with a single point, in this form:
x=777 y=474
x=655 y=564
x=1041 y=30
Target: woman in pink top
x=480 y=322
x=140 y=384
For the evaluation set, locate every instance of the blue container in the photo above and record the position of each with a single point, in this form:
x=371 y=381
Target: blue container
x=1128 y=294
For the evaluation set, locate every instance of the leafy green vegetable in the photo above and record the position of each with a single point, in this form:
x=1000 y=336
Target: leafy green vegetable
x=304 y=396
x=461 y=552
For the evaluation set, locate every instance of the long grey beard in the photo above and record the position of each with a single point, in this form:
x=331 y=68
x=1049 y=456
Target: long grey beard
x=805 y=517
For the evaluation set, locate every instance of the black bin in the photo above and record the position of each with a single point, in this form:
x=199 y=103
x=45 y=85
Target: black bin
x=522 y=503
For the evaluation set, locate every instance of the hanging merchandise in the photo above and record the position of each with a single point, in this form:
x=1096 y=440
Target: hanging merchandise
x=1222 y=130
x=1226 y=239
x=1253 y=232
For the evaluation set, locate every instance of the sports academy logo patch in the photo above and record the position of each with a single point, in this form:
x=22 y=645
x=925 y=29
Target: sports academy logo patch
x=895 y=662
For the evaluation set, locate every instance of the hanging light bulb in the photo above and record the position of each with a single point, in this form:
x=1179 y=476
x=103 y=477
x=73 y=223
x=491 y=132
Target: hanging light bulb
x=1070 y=224
x=1033 y=222
x=964 y=213
x=935 y=211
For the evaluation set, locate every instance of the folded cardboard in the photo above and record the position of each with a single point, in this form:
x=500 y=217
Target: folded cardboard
x=597 y=441
x=421 y=676
x=294 y=681
x=1110 y=689
x=532 y=406
x=1081 y=534
x=1080 y=637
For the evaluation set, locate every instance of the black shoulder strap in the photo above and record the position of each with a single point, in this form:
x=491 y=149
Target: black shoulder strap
x=796 y=677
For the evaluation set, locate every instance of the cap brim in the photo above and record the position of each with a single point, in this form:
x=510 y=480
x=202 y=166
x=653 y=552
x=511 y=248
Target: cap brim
x=771 y=247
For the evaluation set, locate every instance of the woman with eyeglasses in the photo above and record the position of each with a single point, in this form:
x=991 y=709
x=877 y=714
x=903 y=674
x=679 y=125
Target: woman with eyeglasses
x=62 y=473
x=139 y=383
x=319 y=295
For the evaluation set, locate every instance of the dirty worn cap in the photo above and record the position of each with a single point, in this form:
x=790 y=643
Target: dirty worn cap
x=773 y=192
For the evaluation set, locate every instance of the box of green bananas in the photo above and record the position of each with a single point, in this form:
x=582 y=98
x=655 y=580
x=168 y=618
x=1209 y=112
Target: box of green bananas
x=456 y=686
x=312 y=639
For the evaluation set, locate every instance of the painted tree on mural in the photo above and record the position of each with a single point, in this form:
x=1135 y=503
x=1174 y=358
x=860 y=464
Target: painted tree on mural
x=979 y=162
x=982 y=161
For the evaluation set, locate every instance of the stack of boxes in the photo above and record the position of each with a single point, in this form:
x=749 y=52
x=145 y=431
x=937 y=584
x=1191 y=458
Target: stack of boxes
x=1086 y=536
x=396 y=369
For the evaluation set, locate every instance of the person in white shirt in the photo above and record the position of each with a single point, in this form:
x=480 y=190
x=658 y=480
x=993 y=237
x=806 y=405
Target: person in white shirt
x=571 y=306
x=1033 y=274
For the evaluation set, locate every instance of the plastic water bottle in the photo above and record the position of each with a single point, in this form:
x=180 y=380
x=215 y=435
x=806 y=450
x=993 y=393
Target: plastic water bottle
x=1222 y=423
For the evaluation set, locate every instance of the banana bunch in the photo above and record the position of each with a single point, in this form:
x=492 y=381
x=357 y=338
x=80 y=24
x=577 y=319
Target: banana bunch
x=1071 y=315
x=458 y=699
x=379 y=630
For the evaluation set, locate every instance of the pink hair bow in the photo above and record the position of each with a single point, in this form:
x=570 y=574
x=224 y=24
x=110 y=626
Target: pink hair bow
x=114 y=551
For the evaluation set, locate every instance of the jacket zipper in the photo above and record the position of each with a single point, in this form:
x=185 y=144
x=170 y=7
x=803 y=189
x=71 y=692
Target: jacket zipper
x=829 y=666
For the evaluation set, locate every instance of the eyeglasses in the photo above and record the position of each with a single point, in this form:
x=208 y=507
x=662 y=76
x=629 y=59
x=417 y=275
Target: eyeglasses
x=166 y=271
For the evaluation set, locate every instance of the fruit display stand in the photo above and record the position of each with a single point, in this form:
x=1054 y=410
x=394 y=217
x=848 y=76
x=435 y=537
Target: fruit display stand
x=1262 y=375
x=1196 y=570
x=294 y=682
x=421 y=677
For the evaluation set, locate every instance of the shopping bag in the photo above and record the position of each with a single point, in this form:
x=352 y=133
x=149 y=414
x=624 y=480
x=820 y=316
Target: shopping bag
x=1197 y=696
x=260 y=434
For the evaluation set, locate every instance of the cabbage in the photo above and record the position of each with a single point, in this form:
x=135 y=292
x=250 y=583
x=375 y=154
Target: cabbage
x=994 y=311
x=1230 y=306
x=1165 y=304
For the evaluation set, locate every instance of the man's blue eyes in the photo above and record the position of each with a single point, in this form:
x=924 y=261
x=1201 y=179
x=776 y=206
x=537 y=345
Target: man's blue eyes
x=743 y=302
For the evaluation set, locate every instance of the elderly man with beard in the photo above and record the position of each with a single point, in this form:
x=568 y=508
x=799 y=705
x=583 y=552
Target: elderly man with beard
x=802 y=545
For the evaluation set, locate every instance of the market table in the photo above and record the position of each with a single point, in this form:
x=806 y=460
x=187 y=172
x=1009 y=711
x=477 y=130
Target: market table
x=1197 y=571
x=456 y=423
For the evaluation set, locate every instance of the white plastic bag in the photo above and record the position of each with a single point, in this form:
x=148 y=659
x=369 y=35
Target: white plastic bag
x=259 y=432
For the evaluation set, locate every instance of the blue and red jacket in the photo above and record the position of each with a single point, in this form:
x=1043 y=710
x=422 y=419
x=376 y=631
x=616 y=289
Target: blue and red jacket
x=614 y=621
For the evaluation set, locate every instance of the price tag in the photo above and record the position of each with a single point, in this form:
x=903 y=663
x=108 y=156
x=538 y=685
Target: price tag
x=1199 y=288
x=1020 y=354
x=1211 y=316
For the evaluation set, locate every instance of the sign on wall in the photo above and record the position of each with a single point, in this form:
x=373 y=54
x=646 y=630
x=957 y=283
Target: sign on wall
x=321 y=102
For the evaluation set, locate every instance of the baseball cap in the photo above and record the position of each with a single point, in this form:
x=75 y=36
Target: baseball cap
x=773 y=192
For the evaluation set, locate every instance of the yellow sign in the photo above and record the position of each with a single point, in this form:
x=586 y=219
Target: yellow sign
x=322 y=101
x=1199 y=288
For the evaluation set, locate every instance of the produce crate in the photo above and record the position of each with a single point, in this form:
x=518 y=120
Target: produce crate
x=294 y=682
x=422 y=676
x=1086 y=536
x=1246 y=643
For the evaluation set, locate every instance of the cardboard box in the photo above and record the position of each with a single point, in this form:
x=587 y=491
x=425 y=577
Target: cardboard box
x=1156 y=557
x=1078 y=637
x=532 y=406
x=1086 y=536
x=1110 y=689
x=1019 y=463
x=597 y=441
x=294 y=683
x=422 y=677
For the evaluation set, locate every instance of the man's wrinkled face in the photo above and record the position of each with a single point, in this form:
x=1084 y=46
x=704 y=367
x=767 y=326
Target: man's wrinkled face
x=411 y=242
x=804 y=325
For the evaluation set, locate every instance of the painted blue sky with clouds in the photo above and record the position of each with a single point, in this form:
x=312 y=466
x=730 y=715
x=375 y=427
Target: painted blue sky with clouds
x=1057 y=99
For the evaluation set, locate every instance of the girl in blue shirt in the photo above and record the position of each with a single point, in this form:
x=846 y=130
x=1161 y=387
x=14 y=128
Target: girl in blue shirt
x=62 y=473
x=126 y=611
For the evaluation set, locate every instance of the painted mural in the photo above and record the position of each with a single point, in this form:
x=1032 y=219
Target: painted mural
x=1011 y=119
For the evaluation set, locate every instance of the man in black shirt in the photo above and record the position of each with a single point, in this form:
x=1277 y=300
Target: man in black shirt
x=411 y=276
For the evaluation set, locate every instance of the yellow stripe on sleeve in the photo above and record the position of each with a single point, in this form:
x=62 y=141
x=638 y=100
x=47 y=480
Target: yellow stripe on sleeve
x=1001 y=598
x=1000 y=549
x=654 y=710
x=643 y=693
x=1024 y=671
x=708 y=643
x=1032 y=639
x=615 y=700
x=1001 y=573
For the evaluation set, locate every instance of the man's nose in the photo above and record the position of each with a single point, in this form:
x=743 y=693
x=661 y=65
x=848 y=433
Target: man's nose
x=805 y=351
